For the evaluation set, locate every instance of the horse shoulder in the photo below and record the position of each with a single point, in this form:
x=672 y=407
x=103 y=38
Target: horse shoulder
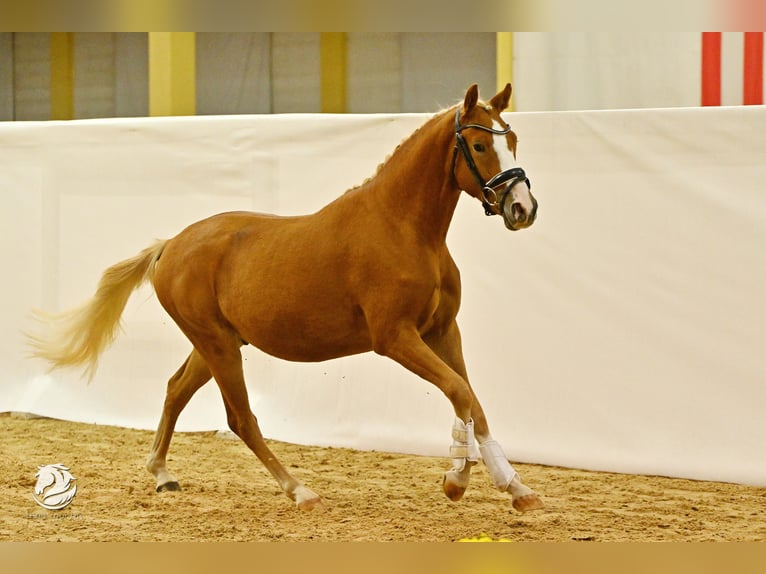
x=450 y=276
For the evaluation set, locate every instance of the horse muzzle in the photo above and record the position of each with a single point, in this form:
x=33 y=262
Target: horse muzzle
x=518 y=206
x=509 y=194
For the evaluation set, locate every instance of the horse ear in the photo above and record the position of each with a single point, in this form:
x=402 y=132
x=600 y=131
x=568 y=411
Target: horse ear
x=471 y=97
x=501 y=100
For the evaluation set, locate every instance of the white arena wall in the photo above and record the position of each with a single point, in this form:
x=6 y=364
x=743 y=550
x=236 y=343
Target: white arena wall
x=624 y=331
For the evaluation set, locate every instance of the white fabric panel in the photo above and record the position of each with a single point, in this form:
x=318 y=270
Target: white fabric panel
x=374 y=72
x=32 y=64
x=732 y=68
x=94 y=79
x=295 y=72
x=438 y=65
x=131 y=74
x=233 y=73
x=606 y=70
x=622 y=332
x=6 y=76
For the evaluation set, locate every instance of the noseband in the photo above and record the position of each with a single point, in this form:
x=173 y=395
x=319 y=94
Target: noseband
x=510 y=176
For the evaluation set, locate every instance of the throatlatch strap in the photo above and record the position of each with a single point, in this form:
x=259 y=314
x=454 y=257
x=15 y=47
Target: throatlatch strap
x=463 y=444
x=499 y=468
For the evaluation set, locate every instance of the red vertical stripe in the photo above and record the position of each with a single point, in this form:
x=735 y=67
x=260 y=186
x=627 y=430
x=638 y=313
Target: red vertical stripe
x=711 y=68
x=752 y=87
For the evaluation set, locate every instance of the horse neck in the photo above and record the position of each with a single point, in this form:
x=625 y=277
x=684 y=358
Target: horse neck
x=415 y=185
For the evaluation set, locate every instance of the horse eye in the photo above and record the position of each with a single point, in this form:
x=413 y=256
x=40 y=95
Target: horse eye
x=478 y=147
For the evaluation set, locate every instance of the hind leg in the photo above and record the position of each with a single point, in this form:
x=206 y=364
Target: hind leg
x=245 y=425
x=225 y=362
x=181 y=387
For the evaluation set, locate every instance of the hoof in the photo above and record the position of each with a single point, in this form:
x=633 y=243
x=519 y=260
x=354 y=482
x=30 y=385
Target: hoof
x=528 y=502
x=454 y=486
x=310 y=504
x=172 y=486
x=306 y=499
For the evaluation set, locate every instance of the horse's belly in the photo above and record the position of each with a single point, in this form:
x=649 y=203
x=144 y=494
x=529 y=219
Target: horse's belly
x=308 y=336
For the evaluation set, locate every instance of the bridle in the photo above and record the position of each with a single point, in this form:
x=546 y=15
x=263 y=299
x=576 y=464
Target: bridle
x=510 y=176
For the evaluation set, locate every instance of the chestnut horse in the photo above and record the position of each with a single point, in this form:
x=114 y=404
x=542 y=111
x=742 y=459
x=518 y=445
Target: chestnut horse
x=368 y=272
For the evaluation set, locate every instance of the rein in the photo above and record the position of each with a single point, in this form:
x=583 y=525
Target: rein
x=510 y=176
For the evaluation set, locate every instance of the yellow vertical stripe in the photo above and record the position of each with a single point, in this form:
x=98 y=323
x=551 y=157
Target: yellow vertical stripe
x=332 y=57
x=62 y=75
x=172 y=74
x=504 y=60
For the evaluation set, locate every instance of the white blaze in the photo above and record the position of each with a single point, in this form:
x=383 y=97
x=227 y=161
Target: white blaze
x=520 y=192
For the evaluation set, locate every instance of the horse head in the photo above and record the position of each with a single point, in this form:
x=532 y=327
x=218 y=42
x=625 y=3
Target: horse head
x=489 y=171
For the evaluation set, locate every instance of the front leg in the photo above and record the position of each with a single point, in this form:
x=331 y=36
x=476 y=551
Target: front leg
x=404 y=345
x=465 y=454
x=446 y=343
x=506 y=478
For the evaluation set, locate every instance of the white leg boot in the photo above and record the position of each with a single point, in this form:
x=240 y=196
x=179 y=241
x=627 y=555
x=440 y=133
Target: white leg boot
x=465 y=454
x=506 y=478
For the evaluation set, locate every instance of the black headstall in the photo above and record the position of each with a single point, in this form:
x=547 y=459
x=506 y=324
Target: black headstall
x=510 y=177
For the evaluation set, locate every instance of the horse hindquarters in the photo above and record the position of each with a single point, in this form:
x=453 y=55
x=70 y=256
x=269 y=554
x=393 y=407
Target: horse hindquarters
x=186 y=286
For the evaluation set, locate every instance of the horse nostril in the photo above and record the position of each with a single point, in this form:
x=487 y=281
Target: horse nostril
x=518 y=213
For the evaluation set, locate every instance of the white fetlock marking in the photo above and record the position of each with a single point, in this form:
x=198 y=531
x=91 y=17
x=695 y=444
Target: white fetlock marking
x=517 y=489
x=303 y=494
x=463 y=444
x=159 y=471
x=503 y=474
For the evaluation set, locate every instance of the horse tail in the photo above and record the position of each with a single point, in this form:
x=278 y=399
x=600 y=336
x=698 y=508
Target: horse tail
x=76 y=338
